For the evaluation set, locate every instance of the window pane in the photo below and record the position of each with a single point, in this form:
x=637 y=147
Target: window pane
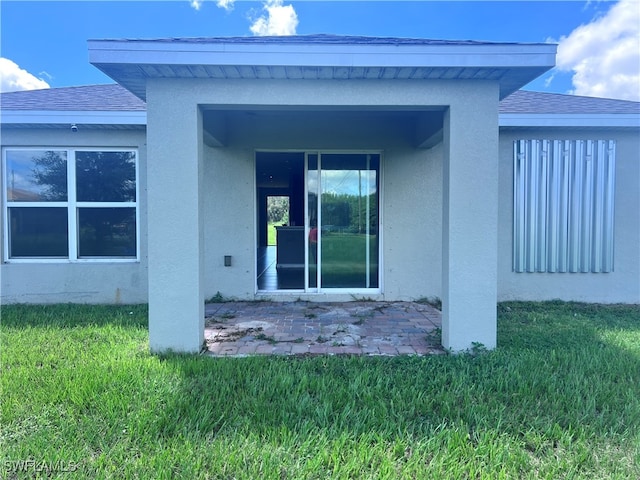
x=106 y=176
x=36 y=176
x=312 y=205
x=107 y=232
x=349 y=220
x=38 y=232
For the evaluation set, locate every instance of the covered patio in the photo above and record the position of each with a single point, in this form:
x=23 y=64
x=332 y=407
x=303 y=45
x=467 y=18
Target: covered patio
x=310 y=328
x=423 y=113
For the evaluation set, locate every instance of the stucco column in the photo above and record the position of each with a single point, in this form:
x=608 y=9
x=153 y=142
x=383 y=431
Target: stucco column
x=470 y=222
x=175 y=222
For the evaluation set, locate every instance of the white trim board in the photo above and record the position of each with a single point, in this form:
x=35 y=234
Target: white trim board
x=608 y=120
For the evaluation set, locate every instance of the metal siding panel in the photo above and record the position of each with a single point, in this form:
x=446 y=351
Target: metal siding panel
x=519 y=187
x=609 y=210
x=563 y=205
x=553 y=210
x=532 y=204
x=516 y=236
x=587 y=206
x=598 y=207
x=541 y=210
x=563 y=211
x=575 y=172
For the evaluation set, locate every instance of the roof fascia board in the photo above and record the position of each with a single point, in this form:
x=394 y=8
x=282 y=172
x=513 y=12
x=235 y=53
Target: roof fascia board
x=569 y=120
x=38 y=117
x=523 y=120
x=355 y=55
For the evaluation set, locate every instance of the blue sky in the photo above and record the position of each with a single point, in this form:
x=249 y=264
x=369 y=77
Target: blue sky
x=47 y=40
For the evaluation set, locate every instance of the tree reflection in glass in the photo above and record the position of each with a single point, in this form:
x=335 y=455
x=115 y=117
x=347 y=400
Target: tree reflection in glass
x=106 y=176
x=36 y=176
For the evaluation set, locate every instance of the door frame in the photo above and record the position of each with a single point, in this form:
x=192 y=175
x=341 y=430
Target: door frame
x=326 y=290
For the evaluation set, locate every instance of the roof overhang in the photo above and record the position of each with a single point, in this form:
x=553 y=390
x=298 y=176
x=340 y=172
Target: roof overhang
x=65 y=118
x=132 y=62
x=588 y=120
x=52 y=119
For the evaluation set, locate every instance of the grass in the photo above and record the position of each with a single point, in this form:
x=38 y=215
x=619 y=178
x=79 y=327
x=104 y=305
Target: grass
x=271 y=233
x=559 y=398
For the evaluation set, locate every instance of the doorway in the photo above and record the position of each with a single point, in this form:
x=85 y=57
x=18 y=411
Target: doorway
x=277 y=216
x=330 y=240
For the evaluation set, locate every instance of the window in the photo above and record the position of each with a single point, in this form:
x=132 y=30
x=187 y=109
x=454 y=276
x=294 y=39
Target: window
x=70 y=204
x=563 y=205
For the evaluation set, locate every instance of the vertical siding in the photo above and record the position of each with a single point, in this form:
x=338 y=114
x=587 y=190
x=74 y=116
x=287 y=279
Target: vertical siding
x=563 y=205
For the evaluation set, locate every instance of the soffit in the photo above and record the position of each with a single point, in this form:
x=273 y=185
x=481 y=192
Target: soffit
x=132 y=62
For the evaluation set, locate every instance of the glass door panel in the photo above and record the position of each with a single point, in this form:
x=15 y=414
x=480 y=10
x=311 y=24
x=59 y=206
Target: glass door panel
x=348 y=219
x=312 y=221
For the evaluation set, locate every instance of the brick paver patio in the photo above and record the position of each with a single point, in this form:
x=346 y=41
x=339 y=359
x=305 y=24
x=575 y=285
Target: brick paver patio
x=308 y=328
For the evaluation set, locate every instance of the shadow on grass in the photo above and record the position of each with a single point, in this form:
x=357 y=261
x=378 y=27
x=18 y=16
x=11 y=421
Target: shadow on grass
x=558 y=368
x=564 y=375
x=72 y=315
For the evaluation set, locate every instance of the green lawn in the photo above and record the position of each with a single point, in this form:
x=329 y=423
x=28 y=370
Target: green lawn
x=559 y=398
x=271 y=233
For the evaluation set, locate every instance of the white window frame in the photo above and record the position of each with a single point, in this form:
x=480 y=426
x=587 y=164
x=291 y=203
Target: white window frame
x=72 y=206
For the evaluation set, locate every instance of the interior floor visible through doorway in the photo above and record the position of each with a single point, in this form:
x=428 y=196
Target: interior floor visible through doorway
x=270 y=278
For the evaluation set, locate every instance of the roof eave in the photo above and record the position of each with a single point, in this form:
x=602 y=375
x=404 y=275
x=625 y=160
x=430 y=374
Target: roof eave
x=322 y=55
x=520 y=63
x=139 y=118
x=587 y=120
x=65 y=117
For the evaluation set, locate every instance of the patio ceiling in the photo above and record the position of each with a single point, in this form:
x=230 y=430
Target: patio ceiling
x=320 y=57
x=419 y=127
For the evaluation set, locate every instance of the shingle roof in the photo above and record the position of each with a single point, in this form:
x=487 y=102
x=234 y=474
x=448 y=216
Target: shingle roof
x=321 y=39
x=523 y=101
x=113 y=98
x=116 y=98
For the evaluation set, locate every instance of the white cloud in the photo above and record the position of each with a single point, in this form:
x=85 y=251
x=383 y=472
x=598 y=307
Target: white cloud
x=14 y=78
x=226 y=4
x=604 y=55
x=279 y=20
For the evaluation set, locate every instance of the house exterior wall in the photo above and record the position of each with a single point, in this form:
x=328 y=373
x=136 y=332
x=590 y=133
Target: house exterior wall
x=621 y=285
x=411 y=199
x=60 y=281
x=175 y=224
x=177 y=111
x=412 y=248
x=413 y=224
x=229 y=212
x=411 y=213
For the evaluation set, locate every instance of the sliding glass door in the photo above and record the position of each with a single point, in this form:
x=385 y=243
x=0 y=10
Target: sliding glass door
x=342 y=220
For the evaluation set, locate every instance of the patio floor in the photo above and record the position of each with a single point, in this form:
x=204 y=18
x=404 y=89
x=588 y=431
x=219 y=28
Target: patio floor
x=310 y=328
